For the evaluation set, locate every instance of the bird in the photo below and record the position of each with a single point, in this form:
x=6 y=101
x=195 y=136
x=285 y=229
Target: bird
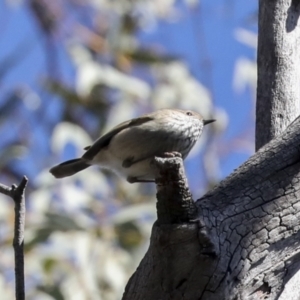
x=129 y=148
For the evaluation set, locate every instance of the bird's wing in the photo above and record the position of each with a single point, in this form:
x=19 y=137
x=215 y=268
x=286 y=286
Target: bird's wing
x=104 y=141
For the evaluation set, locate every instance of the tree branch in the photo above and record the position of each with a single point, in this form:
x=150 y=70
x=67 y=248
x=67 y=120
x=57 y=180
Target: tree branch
x=174 y=200
x=174 y=247
x=253 y=220
x=17 y=193
x=246 y=243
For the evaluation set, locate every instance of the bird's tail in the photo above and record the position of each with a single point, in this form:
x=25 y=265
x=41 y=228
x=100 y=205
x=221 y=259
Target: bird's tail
x=69 y=167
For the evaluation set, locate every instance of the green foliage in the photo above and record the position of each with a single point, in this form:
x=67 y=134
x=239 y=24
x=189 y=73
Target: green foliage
x=129 y=235
x=54 y=291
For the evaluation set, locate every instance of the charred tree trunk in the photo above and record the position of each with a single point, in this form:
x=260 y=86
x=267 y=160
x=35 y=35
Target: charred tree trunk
x=245 y=243
x=241 y=241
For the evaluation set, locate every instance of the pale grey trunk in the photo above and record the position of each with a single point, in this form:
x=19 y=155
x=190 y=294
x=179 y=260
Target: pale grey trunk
x=278 y=86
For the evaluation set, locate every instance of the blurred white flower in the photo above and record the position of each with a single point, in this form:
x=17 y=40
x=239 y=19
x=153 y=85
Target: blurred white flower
x=38 y=207
x=6 y=205
x=65 y=133
x=120 y=112
x=192 y=3
x=86 y=260
x=163 y=9
x=246 y=37
x=30 y=98
x=7 y=292
x=135 y=212
x=164 y=95
x=245 y=74
x=177 y=88
x=222 y=120
x=114 y=267
x=91 y=73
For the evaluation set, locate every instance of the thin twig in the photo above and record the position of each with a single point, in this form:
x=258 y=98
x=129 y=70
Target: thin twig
x=17 y=193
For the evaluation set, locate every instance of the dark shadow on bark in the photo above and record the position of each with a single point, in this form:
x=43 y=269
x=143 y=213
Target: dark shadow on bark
x=293 y=15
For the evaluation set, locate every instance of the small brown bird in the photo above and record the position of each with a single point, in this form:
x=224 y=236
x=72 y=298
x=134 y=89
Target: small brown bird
x=129 y=147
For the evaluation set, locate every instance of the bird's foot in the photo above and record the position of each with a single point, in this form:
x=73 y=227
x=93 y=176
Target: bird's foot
x=171 y=154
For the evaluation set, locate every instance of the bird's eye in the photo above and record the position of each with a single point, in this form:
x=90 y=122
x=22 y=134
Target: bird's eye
x=188 y=113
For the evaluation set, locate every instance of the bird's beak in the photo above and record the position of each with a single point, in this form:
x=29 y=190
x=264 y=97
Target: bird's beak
x=205 y=122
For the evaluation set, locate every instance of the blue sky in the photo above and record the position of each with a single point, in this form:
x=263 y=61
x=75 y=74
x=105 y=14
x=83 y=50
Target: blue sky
x=208 y=35
x=204 y=38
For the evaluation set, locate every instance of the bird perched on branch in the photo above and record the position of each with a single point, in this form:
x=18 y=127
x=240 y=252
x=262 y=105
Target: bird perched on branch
x=129 y=148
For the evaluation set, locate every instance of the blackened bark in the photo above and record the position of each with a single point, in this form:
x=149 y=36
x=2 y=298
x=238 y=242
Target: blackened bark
x=245 y=244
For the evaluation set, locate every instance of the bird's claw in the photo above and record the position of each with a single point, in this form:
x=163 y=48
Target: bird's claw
x=171 y=154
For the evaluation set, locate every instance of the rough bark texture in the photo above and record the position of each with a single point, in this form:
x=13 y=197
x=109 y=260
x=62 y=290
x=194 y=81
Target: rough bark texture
x=246 y=242
x=174 y=200
x=278 y=88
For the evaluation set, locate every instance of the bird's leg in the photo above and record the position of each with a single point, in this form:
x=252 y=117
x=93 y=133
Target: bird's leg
x=132 y=179
x=129 y=161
